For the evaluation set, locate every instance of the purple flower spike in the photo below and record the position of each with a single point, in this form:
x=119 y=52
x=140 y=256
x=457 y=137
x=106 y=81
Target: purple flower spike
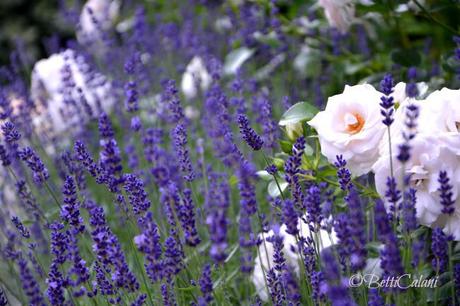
x=4 y=156
x=290 y=218
x=248 y=134
x=20 y=227
x=33 y=161
x=206 y=285
x=187 y=218
x=343 y=173
x=30 y=285
x=137 y=196
x=387 y=101
x=149 y=243
x=179 y=135
x=439 y=247
x=445 y=193
x=71 y=209
x=3 y=299
x=56 y=284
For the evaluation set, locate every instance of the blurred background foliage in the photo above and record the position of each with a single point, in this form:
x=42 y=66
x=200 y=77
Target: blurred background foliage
x=402 y=33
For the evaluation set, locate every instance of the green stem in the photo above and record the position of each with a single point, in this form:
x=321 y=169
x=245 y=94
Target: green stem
x=429 y=16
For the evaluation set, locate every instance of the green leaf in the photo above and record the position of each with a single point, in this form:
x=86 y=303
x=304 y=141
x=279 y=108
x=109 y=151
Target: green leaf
x=406 y=57
x=273 y=189
x=236 y=58
x=233 y=180
x=308 y=150
x=264 y=175
x=299 y=112
x=270 y=39
x=286 y=146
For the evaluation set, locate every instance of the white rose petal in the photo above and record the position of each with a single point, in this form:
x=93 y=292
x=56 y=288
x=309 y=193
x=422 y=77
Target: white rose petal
x=47 y=88
x=266 y=251
x=351 y=125
x=339 y=13
x=195 y=77
x=104 y=11
x=430 y=154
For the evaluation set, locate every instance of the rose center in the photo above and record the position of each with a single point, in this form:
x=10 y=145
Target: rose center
x=354 y=122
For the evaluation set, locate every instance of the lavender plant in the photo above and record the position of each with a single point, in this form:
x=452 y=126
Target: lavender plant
x=143 y=164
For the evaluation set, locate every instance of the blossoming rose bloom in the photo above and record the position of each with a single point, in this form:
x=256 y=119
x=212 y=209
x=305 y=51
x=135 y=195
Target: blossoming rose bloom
x=339 y=13
x=351 y=126
x=195 y=76
x=441 y=112
x=430 y=154
x=48 y=87
x=104 y=12
x=291 y=255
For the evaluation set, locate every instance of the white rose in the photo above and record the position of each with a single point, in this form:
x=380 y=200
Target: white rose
x=266 y=250
x=351 y=125
x=47 y=90
x=104 y=11
x=430 y=154
x=441 y=112
x=339 y=13
x=399 y=117
x=195 y=76
x=399 y=91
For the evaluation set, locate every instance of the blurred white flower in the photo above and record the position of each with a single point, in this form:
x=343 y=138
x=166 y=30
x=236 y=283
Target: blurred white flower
x=195 y=77
x=351 y=126
x=430 y=154
x=191 y=112
x=399 y=93
x=441 y=112
x=266 y=250
x=48 y=90
x=339 y=13
x=96 y=16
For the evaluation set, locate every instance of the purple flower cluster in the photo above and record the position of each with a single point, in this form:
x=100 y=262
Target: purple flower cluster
x=439 y=247
x=3 y=298
x=292 y=168
x=20 y=227
x=149 y=243
x=412 y=113
x=205 y=282
x=217 y=203
x=179 y=135
x=33 y=161
x=387 y=101
x=108 y=251
x=445 y=193
x=186 y=214
x=71 y=209
x=137 y=196
x=30 y=285
x=249 y=135
x=393 y=196
x=343 y=174
x=357 y=231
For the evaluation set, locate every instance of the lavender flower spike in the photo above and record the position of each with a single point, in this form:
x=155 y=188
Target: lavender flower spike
x=439 y=248
x=137 y=196
x=179 y=135
x=3 y=299
x=387 y=101
x=445 y=193
x=149 y=243
x=206 y=286
x=20 y=227
x=249 y=135
x=33 y=161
